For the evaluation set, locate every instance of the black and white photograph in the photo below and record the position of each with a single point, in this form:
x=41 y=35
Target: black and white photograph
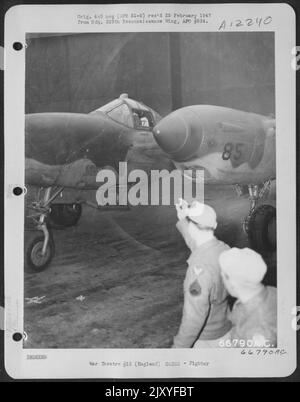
x=151 y=199
x=111 y=275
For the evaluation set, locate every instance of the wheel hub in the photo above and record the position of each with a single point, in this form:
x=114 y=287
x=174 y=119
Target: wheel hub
x=38 y=257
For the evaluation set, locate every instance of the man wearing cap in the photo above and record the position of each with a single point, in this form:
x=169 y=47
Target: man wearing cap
x=254 y=315
x=204 y=320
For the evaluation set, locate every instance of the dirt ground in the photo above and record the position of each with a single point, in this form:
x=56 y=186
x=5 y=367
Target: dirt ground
x=116 y=279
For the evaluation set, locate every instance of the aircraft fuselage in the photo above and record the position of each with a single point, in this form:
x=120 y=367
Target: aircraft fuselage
x=232 y=146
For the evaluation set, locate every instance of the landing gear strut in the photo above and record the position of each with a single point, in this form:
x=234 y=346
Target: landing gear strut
x=40 y=250
x=260 y=224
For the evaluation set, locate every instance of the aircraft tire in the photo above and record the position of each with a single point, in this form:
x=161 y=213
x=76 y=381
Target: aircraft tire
x=262 y=229
x=34 y=260
x=64 y=215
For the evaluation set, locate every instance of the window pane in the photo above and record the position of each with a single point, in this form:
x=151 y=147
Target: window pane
x=142 y=119
x=122 y=115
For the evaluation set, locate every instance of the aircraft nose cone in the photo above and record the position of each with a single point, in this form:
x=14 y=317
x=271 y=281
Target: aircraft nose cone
x=175 y=137
x=170 y=134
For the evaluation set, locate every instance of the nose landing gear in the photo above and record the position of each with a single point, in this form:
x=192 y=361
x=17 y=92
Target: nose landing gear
x=41 y=249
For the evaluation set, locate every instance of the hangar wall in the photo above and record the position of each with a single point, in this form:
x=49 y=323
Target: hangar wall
x=81 y=72
x=231 y=69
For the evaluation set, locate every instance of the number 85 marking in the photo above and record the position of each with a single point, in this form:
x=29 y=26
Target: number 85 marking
x=234 y=150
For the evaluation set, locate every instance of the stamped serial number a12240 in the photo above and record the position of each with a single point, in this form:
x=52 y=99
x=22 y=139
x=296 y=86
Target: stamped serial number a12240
x=257 y=22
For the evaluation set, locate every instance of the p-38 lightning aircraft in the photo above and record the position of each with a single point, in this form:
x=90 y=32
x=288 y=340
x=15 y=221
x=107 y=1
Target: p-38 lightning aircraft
x=232 y=147
x=65 y=151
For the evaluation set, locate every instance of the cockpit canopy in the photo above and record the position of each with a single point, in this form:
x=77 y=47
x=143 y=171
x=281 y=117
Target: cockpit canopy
x=130 y=113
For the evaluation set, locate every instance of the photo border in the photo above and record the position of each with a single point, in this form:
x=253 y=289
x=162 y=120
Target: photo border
x=22 y=19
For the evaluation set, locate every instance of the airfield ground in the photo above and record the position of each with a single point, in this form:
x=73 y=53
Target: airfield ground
x=107 y=287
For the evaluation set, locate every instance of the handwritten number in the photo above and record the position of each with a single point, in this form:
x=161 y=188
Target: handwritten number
x=267 y=20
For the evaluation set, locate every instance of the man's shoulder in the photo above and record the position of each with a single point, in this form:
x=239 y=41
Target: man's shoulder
x=198 y=275
x=222 y=245
x=206 y=259
x=217 y=247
